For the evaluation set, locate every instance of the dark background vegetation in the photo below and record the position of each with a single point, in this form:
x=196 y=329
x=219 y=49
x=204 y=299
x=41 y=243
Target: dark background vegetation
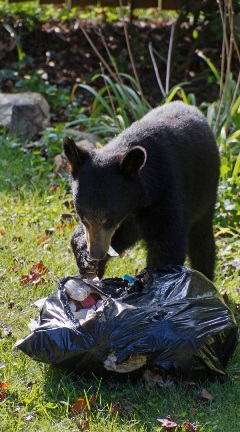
x=57 y=53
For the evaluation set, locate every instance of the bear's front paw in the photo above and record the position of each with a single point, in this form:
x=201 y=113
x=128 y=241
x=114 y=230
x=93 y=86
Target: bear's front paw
x=88 y=268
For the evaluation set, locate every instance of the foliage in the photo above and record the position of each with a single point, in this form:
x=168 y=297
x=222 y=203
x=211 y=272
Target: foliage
x=45 y=13
x=33 y=230
x=37 y=397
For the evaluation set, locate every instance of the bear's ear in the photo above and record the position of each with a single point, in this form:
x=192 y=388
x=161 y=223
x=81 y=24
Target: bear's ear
x=75 y=155
x=132 y=162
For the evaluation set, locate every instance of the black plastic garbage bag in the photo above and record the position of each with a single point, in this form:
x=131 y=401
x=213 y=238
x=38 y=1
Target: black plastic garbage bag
x=173 y=319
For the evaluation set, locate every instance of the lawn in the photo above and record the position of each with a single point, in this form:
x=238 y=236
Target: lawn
x=35 y=228
x=37 y=219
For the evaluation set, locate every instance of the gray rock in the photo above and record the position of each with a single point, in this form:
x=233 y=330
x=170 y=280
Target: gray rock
x=24 y=113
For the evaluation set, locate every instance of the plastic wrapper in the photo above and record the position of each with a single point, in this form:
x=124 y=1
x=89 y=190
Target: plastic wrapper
x=171 y=319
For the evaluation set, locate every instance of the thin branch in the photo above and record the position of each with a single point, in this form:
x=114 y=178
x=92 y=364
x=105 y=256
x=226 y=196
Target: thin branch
x=109 y=93
x=159 y=56
x=110 y=71
x=169 y=58
x=99 y=33
x=156 y=69
x=129 y=49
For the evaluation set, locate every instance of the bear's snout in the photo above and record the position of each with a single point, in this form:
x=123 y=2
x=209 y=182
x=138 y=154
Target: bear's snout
x=98 y=242
x=96 y=255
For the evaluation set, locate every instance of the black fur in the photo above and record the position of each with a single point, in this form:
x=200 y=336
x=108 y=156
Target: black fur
x=156 y=181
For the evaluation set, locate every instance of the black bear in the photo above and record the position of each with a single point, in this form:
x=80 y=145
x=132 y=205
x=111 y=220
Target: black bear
x=156 y=181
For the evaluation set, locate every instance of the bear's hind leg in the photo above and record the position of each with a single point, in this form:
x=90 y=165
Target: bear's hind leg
x=201 y=246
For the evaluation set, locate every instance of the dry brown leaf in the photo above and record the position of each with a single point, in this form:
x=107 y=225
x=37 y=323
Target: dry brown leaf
x=12 y=269
x=189 y=384
x=42 y=239
x=27 y=416
x=168 y=424
x=3 y=390
x=153 y=378
x=115 y=409
x=35 y=278
x=81 y=406
x=39 y=267
x=49 y=231
x=67 y=216
x=189 y=427
x=10 y=304
x=25 y=279
x=59 y=228
x=205 y=397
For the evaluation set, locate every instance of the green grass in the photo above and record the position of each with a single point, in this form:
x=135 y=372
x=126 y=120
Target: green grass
x=38 y=397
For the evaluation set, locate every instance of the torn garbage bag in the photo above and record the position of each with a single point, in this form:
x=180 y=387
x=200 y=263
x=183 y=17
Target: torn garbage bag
x=173 y=319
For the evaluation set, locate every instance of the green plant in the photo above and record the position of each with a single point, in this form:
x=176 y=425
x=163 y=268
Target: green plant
x=116 y=104
x=16 y=37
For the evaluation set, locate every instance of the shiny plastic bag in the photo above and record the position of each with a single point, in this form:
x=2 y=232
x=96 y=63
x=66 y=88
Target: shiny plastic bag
x=172 y=319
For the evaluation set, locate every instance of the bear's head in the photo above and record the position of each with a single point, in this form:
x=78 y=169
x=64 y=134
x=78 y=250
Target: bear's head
x=106 y=189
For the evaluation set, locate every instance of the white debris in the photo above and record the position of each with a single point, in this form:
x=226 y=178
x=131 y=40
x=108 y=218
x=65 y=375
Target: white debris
x=133 y=363
x=77 y=290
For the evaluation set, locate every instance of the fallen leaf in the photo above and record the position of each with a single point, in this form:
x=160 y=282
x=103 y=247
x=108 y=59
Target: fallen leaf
x=12 y=269
x=50 y=231
x=35 y=278
x=226 y=297
x=17 y=239
x=168 y=424
x=10 y=304
x=153 y=378
x=55 y=187
x=67 y=216
x=189 y=427
x=236 y=376
x=3 y=390
x=81 y=406
x=40 y=267
x=25 y=279
x=189 y=384
x=205 y=397
x=27 y=416
x=115 y=409
x=19 y=261
x=42 y=239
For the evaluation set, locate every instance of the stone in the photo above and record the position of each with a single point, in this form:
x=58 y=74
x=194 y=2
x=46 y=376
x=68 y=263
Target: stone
x=25 y=114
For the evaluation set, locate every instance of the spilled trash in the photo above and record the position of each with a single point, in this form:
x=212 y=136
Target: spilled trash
x=172 y=319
